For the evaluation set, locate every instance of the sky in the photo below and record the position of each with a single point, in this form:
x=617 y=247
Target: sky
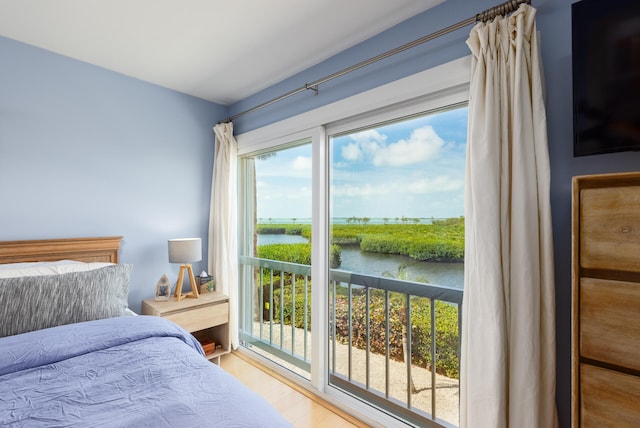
x=414 y=168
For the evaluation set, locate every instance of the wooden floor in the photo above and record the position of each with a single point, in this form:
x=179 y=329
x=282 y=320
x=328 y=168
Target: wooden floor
x=301 y=408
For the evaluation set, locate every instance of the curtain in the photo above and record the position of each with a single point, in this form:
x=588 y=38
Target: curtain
x=223 y=235
x=508 y=328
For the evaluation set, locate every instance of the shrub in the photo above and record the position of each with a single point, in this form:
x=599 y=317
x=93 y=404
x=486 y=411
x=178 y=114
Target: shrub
x=441 y=241
x=272 y=230
x=285 y=229
x=295 y=253
x=290 y=253
x=288 y=307
x=447 y=337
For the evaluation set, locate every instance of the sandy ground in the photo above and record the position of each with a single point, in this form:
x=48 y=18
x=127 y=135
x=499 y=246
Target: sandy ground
x=447 y=389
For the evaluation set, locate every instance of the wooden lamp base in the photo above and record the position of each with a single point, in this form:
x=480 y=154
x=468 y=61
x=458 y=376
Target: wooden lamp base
x=194 y=288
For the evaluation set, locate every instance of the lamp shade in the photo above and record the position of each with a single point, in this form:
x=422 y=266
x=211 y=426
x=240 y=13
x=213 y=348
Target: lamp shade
x=185 y=250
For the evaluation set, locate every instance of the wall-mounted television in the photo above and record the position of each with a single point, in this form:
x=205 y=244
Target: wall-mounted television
x=606 y=76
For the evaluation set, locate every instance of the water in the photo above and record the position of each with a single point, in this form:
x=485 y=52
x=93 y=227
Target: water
x=281 y=239
x=354 y=260
x=448 y=274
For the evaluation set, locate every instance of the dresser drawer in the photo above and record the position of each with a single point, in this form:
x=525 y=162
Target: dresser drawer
x=610 y=228
x=201 y=318
x=608 y=398
x=610 y=321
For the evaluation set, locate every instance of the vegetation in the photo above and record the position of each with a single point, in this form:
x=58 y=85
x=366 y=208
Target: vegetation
x=285 y=229
x=386 y=220
x=295 y=253
x=284 y=303
x=290 y=253
x=443 y=240
x=440 y=241
x=447 y=335
x=446 y=328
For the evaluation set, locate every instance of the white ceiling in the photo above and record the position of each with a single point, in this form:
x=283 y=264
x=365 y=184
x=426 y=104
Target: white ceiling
x=218 y=50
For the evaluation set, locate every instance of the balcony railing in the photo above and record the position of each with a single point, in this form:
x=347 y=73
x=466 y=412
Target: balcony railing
x=382 y=331
x=267 y=310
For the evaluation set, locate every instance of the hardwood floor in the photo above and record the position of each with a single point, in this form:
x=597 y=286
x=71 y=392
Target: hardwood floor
x=301 y=408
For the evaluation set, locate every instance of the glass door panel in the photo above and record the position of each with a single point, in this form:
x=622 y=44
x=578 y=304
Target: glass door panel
x=396 y=207
x=275 y=254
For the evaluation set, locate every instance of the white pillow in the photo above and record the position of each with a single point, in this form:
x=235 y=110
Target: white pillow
x=15 y=270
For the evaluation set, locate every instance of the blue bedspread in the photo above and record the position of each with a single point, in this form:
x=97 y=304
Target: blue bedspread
x=121 y=372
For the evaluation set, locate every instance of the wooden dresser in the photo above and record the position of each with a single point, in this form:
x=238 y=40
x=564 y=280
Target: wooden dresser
x=605 y=390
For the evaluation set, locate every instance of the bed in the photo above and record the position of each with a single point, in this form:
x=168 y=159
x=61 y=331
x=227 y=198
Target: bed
x=85 y=368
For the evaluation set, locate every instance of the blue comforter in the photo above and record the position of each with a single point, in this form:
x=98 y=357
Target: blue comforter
x=121 y=372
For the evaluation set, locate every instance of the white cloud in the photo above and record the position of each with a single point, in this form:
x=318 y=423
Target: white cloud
x=377 y=175
x=435 y=185
x=298 y=167
x=369 y=138
x=352 y=152
x=351 y=191
x=365 y=143
x=301 y=163
x=422 y=186
x=424 y=144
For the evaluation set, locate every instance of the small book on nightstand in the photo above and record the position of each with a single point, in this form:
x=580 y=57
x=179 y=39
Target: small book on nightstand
x=208 y=347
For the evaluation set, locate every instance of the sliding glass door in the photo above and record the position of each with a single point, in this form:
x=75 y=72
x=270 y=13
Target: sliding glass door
x=275 y=254
x=352 y=246
x=396 y=282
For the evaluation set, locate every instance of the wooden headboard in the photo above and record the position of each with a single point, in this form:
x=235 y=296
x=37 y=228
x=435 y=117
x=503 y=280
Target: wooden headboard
x=102 y=249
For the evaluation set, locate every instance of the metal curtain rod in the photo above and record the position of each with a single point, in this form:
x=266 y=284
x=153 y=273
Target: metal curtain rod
x=487 y=15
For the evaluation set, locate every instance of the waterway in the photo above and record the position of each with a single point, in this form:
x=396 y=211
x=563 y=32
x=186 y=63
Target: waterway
x=354 y=260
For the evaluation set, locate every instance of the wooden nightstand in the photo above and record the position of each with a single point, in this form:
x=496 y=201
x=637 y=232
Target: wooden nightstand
x=206 y=317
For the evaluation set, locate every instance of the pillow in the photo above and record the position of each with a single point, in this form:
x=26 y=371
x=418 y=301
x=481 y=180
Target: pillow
x=21 y=265
x=36 y=302
x=13 y=270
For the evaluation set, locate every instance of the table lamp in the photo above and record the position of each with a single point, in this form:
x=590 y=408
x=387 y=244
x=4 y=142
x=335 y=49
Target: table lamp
x=185 y=251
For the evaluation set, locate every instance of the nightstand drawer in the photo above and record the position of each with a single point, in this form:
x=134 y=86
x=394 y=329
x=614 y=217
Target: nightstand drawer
x=222 y=314
x=201 y=318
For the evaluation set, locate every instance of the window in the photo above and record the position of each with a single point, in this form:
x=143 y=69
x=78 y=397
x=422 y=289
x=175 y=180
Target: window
x=388 y=164
x=396 y=217
x=276 y=254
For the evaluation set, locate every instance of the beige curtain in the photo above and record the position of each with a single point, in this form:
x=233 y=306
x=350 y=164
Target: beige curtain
x=508 y=326
x=223 y=235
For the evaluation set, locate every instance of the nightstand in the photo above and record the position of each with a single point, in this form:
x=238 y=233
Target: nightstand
x=206 y=317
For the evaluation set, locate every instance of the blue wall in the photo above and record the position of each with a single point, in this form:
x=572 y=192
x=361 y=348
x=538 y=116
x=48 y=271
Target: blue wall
x=554 y=24
x=89 y=152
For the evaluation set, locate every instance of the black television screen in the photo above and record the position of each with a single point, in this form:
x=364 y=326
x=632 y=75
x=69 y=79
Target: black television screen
x=606 y=76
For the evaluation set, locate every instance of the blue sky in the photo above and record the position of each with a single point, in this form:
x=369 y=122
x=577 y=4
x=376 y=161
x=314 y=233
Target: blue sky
x=413 y=168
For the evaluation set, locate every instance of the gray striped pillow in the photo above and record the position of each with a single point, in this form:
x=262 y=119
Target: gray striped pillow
x=36 y=302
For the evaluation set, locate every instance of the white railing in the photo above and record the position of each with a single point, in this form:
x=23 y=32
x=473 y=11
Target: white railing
x=371 y=319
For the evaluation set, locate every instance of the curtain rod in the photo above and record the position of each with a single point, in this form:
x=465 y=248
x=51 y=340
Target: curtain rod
x=487 y=15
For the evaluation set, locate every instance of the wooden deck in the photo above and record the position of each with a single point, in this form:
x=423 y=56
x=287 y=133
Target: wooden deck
x=300 y=407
